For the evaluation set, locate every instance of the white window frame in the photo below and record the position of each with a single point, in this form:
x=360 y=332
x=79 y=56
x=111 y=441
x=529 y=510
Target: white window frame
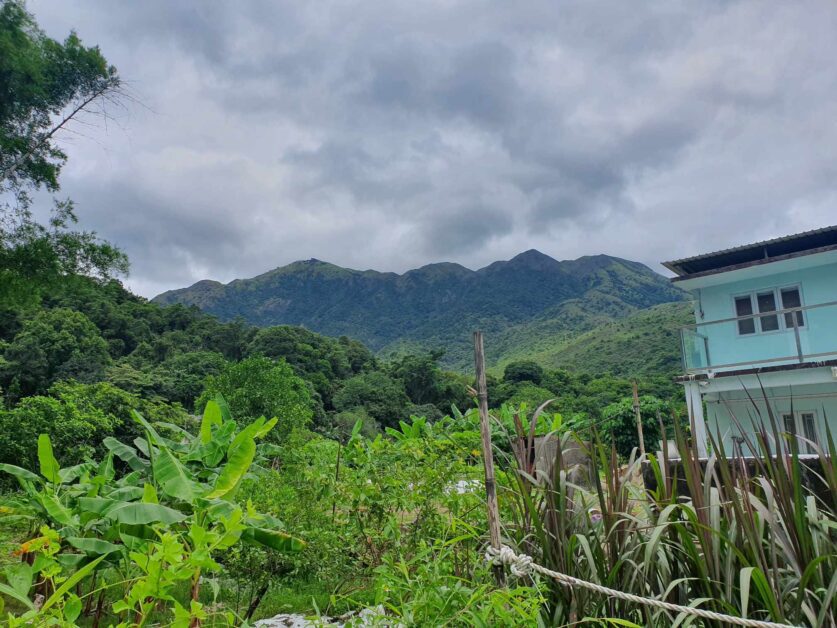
x=799 y=429
x=756 y=315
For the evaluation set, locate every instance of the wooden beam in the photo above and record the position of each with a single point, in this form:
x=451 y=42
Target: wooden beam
x=487 y=455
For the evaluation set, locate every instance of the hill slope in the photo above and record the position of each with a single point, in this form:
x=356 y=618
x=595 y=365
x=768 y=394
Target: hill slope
x=439 y=305
x=644 y=343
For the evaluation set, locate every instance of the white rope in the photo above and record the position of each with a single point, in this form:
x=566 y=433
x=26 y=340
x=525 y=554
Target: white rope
x=522 y=565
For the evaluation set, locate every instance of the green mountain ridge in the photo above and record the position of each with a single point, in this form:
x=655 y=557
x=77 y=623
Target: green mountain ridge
x=520 y=304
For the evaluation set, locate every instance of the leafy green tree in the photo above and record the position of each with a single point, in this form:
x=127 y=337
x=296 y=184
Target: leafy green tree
x=323 y=361
x=523 y=371
x=55 y=344
x=421 y=377
x=180 y=379
x=618 y=424
x=342 y=424
x=529 y=394
x=44 y=84
x=258 y=387
x=74 y=432
x=382 y=396
x=77 y=417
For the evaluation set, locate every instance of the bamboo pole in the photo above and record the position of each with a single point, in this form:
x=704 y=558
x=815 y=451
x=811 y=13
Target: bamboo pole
x=639 y=422
x=487 y=455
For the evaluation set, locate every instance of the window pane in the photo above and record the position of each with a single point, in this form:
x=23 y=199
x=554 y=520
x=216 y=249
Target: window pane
x=767 y=303
x=791 y=298
x=744 y=307
x=810 y=427
x=790 y=424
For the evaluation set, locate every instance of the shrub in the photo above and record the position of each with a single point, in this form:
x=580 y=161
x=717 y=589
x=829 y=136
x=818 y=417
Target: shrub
x=618 y=423
x=380 y=395
x=523 y=371
x=54 y=345
x=77 y=418
x=258 y=387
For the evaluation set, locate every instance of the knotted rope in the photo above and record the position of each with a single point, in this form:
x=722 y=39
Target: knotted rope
x=522 y=565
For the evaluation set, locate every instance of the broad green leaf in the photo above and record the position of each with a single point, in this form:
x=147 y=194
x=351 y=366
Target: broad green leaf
x=20 y=473
x=19 y=577
x=98 y=505
x=149 y=494
x=75 y=472
x=273 y=539
x=266 y=427
x=211 y=417
x=239 y=459
x=141 y=513
x=172 y=476
x=71 y=561
x=56 y=510
x=72 y=608
x=126 y=494
x=93 y=546
x=106 y=467
x=7 y=590
x=70 y=582
x=141 y=420
x=49 y=465
x=125 y=453
x=226 y=414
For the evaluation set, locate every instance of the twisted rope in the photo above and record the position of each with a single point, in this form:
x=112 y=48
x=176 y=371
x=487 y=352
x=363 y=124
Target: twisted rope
x=522 y=565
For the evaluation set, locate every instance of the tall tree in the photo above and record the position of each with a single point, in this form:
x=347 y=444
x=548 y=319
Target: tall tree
x=44 y=86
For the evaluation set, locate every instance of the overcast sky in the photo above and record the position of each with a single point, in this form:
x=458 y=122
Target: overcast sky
x=387 y=135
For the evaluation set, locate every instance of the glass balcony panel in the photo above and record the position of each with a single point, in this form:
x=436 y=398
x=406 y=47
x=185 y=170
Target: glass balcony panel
x=790 y=335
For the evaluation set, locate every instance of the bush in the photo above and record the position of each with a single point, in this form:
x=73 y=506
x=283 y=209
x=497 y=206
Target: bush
x=77 y=418
x=54 y=345
x=382 y=396
x=523 y=371
x=258 y=387
x=618 y=423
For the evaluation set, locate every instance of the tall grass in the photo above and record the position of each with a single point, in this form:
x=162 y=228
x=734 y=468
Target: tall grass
x=752 y=538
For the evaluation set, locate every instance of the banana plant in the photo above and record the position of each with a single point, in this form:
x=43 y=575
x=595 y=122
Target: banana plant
x=158 y=509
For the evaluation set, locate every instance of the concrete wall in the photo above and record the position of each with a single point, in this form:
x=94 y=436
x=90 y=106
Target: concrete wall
x=818 y=284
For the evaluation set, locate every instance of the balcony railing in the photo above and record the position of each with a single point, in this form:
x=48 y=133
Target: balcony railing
x=788 y=336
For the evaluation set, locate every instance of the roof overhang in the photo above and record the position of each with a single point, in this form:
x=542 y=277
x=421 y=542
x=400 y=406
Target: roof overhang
x=775 y=266
x=758 y=253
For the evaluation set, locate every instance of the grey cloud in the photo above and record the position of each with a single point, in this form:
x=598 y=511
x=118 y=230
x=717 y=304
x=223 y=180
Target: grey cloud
x=389 y=135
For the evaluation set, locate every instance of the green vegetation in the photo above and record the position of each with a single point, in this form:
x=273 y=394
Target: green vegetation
x=44 y=85
x=351 y=482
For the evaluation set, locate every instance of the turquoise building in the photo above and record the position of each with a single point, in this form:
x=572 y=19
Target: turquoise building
x=765 y=333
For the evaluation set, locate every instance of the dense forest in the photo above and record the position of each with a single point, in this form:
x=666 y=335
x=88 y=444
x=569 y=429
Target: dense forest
x=92 y=339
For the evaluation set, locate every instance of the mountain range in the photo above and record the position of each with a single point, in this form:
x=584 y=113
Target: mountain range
x=531 y=304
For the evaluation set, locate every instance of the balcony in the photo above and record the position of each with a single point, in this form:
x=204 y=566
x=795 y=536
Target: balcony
x=790 y=336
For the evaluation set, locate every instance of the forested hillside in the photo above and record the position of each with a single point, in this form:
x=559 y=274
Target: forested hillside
x=438 y=306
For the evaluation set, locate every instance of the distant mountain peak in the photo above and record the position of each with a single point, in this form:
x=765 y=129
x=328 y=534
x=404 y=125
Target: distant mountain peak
x=437 y=305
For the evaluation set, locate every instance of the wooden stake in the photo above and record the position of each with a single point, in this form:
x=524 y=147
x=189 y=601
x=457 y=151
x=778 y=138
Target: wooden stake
x=638 y=422
x=487 y=455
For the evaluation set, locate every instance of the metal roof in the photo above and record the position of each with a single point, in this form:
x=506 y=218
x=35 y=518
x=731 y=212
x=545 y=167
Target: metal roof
x=756 y=253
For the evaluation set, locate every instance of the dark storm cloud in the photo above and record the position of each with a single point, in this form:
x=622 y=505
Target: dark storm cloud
x=389 y=135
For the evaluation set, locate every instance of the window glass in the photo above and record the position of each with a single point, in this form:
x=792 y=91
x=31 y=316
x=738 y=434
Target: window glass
x=744 y=307
x=791 y=298
x=767 y=303
x=809 y=426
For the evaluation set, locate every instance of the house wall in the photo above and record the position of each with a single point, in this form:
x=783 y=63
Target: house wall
x=818 y=284
x=726 y=411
